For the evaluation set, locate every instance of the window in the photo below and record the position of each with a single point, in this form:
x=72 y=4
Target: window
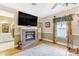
x=61 y=30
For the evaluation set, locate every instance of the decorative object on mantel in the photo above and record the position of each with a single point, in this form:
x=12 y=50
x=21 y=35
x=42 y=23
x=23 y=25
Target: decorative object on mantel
x=47 y=24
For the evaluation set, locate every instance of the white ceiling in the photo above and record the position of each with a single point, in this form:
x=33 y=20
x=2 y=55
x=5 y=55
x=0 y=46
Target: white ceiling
x=40 y=9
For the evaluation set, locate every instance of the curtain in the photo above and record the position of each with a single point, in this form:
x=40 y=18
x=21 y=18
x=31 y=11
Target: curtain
x=69 y=19
x=65 y=18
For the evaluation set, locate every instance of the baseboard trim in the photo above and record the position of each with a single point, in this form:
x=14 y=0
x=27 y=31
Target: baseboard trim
x=48 y=40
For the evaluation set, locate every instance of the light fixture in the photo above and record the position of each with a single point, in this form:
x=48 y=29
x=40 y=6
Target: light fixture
x=67 y=4
x=34 y=4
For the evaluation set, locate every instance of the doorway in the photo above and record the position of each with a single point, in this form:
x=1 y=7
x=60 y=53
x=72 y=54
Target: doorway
x=61 y=32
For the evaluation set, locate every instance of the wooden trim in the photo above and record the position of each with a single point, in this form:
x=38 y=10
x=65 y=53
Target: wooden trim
x=54 y=32
x=69 y=37
x=41 y=27
x=41 y=30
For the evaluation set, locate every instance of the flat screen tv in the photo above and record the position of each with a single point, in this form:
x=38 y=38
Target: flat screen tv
x=25 y=19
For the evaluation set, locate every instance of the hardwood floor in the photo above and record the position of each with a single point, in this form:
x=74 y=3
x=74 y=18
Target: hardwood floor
x=12 y=51
x=53 y=45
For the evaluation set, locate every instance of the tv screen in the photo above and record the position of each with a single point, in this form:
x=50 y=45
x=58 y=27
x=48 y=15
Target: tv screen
x=25 y=19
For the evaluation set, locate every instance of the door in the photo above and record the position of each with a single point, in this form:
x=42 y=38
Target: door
x=61 y=32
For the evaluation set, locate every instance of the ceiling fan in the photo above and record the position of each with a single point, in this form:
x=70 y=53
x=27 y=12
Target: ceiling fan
x=67 y=4
x=63 y=4
x=55 y=5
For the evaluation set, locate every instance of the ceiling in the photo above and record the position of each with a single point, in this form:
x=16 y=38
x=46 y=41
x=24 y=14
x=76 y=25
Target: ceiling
x=40 y=9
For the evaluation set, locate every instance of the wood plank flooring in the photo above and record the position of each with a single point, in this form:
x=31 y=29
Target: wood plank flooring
x=12 y=51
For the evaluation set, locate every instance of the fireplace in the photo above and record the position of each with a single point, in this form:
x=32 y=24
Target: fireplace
x=29 y=35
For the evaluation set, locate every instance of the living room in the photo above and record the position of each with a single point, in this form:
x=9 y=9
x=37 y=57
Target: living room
x=25 y=27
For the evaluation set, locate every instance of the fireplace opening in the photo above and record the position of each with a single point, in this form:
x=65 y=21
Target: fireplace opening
x=29 y=35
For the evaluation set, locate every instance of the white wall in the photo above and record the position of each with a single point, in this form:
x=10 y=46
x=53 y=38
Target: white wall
x=47 y=19
x=7 y=45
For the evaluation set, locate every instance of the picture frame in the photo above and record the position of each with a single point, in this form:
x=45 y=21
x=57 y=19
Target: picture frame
x=5 y=28
x=47 y=24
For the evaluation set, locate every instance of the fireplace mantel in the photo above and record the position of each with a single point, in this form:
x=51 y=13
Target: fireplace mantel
x=28 y=27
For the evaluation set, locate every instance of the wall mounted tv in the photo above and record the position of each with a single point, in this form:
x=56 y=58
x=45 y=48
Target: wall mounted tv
x=25 y=19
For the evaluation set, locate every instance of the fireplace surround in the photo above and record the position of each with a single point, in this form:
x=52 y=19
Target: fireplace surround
x=28 y=36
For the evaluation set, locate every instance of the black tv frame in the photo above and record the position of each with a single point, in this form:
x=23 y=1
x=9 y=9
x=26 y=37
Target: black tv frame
x=30 y=20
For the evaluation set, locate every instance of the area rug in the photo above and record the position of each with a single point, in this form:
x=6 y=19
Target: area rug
x=42 y=50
